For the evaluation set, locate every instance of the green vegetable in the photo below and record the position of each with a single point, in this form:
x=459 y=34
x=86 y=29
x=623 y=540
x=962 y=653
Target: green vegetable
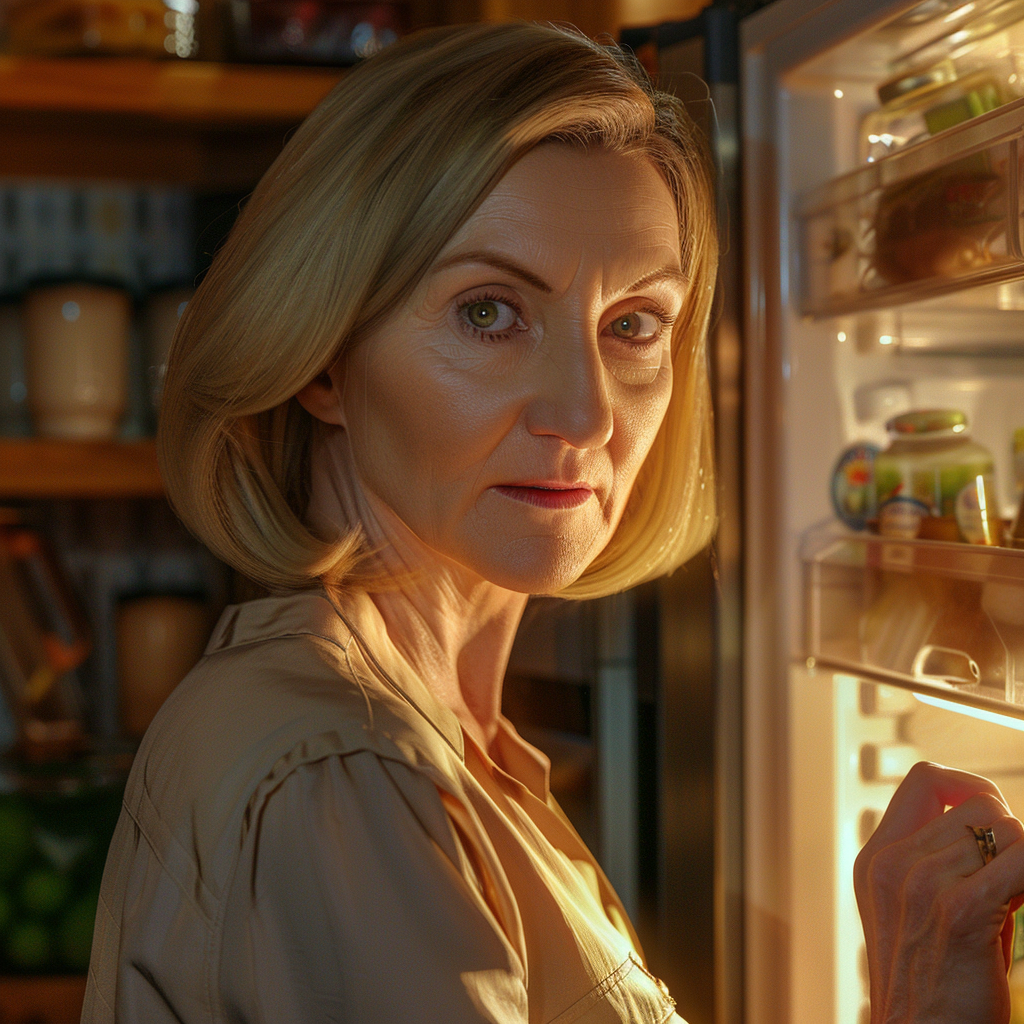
x=74 y=934
x=5 y=909
x=44 y=891
x=15 y=838
x=28 y=945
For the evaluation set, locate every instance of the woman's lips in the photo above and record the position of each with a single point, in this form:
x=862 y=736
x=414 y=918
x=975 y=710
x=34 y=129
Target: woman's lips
x=553 y=496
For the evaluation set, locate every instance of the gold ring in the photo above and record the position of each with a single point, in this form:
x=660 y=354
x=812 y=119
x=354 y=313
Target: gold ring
x=986 y=840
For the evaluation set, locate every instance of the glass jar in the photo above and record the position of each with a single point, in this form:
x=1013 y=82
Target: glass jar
x=934 y=482
x=976 y=65
x=143 y=28
x=923 y=103
x=56 y=823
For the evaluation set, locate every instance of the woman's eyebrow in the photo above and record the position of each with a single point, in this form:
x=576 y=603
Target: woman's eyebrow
x=493 y=260
x=666 y=273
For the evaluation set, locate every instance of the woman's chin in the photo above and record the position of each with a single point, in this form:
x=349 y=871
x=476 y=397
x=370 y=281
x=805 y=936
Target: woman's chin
x=535 y=568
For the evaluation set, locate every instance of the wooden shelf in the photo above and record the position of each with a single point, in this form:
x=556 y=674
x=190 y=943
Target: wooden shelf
x=41 y=468
x=48 y=1000
x=213 y=126
x=190 y=92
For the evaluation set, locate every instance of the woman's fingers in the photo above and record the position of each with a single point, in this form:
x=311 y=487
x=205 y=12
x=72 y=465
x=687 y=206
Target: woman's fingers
x=924 y=794
x=918 y=851
x=1006 y=831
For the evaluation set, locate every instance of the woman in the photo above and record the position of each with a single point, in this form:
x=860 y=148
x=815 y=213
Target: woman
x=451 y=355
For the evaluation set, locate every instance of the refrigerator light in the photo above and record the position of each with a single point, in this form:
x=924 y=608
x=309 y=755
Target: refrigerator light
x=965 y=709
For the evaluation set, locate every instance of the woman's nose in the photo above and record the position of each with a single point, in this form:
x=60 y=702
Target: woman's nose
x=570 y=395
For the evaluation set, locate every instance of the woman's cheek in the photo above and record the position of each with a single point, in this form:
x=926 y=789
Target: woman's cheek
x=642 y=418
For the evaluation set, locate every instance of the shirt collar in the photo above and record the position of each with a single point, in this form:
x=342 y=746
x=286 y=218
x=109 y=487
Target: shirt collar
x=339 y=619
x=517 y=758
x=523 y=761
x=384 y=660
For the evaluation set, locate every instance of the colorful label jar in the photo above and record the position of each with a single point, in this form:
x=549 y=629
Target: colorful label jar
x=934 y=482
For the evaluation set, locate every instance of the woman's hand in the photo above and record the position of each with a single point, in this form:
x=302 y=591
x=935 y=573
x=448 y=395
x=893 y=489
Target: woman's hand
x=935 y=916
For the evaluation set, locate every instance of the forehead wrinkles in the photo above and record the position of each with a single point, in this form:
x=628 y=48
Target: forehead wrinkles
x=602 y=245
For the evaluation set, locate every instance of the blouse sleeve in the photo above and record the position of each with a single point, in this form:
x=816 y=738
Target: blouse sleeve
x=354 y=903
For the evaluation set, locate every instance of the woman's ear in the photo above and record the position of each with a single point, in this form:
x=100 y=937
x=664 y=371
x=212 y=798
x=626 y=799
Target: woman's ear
x=321 y=397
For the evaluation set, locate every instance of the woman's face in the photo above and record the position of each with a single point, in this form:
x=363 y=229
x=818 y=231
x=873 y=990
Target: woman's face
x=503 y=412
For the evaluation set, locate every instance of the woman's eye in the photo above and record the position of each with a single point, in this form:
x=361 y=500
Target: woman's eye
x=490 y=315
x=637 y=326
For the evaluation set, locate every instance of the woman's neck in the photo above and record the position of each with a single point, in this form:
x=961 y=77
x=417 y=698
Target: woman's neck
x=454 y=628
x=458 y=640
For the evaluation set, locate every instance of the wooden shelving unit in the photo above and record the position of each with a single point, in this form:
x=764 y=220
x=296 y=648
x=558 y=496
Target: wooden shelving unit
x=205 y=125
x=184 y=92
x=41 y=468
x=56 y=1000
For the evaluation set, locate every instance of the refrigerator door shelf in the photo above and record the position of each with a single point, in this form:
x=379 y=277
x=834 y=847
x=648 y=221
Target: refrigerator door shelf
x=929 y=220
x=940 y=618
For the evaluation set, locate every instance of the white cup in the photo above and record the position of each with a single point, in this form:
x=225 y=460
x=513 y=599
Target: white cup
x=76 y=358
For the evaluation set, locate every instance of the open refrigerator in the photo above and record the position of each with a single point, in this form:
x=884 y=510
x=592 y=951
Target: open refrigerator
x=884 y=273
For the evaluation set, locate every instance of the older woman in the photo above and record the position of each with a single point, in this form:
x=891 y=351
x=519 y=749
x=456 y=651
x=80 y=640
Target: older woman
x=451 y=355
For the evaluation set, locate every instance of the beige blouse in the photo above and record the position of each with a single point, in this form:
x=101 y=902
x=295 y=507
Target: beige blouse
x=308 y=836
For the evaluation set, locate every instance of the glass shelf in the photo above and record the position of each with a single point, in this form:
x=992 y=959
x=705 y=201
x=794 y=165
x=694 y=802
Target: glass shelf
x=937 y=617
x=932 y=219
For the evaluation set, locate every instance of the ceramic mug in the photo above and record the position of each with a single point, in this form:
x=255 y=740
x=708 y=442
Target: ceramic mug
x=159 y=639
x=76 y=358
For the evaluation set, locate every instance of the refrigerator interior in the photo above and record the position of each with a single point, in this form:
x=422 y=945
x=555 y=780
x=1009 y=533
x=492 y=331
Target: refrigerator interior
x=855 y=342
x=861 y=738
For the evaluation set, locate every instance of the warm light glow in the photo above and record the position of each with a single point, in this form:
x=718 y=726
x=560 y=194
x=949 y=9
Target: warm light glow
x=838 y=93
x=983 y=507
x=959 y=37
x=965 y=709
x=959 y=428
x=885 y=339
x=841 y=335
x=959 y=13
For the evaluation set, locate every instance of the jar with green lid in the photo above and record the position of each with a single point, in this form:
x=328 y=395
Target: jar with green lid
x=921 y=103
x=969 y=68
x=934 y=482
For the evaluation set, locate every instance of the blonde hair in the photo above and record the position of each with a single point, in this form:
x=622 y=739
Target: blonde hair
x=346 y=222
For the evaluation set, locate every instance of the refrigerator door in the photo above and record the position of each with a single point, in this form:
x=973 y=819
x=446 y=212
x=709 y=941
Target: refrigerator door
x=696 y=612
x=854 y=314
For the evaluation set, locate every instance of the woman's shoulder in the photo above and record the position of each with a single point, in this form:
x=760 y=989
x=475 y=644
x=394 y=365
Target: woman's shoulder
x=283 y=683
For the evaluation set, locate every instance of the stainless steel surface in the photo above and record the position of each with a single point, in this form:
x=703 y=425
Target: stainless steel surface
x=700 y=621
x=616 y=735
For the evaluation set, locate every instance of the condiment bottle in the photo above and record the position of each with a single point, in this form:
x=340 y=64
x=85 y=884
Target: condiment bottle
x=934 y=482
